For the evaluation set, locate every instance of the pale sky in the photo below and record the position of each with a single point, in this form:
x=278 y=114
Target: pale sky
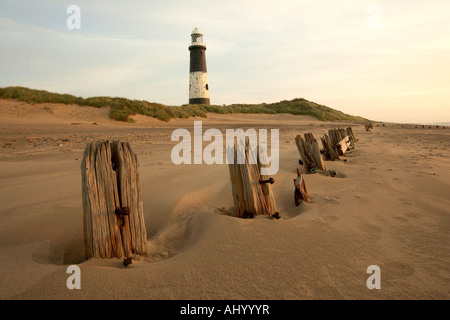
x=390 y=66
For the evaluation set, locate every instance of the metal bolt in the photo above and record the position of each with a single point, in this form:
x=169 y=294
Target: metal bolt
x=270 y=180
x=127 y=261
x=125 y=211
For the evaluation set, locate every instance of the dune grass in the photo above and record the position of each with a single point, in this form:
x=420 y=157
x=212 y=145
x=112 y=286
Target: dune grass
x=122 y=108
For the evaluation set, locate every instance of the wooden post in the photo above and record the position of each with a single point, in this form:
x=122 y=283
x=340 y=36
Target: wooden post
x=337 y=143
x=309 y=151
x=337 y=137
x=343 y=145
x=252 y=194
x=351 y=135
x=300 y=192
x=330 y=150
x=113 y=218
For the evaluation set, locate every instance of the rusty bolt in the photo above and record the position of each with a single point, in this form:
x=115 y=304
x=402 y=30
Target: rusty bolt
x=127 y=261
x=270 y=180
x=125 y=211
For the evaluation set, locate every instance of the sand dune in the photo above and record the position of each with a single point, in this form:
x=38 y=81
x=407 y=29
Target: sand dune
x=388 y=206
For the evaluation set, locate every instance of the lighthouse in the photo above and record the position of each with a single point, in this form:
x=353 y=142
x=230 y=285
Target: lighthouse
x=198 y=78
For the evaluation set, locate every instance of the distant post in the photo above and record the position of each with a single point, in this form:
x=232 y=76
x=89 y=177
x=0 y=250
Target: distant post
x=309 y=151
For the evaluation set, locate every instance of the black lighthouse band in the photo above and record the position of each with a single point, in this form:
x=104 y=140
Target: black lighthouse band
x=197 y=61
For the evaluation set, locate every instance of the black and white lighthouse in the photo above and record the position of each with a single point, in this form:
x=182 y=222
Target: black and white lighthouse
x=198 y=78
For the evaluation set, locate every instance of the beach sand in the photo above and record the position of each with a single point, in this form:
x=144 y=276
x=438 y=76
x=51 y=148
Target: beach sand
x=388 y=206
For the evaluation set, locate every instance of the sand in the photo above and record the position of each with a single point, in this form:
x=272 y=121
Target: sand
x=388 y=206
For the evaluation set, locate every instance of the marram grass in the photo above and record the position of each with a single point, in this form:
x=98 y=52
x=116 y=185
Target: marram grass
x=122 y=109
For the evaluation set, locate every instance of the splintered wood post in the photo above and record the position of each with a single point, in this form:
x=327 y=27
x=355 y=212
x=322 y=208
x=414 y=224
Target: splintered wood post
x=252 y=194
x=309 y=151
x=314 y=150
x=351 y=135
x=113 y=218
x=333 y=138
x=330 y=150
x=300 y=192
x=301 y=150
x=337 y=137
x=343 y=145
x=343 y=133
x=265 y=183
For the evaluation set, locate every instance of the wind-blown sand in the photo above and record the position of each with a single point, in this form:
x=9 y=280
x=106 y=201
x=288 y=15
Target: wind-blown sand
x=388 y=206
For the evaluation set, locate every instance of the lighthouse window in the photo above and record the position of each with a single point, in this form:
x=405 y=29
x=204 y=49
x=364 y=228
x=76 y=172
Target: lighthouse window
x=207 y=88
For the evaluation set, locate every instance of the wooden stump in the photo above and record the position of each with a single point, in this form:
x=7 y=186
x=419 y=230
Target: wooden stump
x=337 y=143
x=343 y=145
x=300 y=192
x=351 y=136
x=252 y=194
x=337 y=136
x=309 y=151
x=114 y=224
x=330 y=151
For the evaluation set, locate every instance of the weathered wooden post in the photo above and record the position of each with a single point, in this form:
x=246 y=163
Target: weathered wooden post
x=300 y=192
x=351 y=135
x=113 y=218
x=343 y=145
x=309 y=151
x=335 y=137
x=339 y=140
x=252 y=193
x=330 y=152
x=337 y=143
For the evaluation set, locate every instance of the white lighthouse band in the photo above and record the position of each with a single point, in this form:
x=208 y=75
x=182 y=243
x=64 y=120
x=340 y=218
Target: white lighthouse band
x=198 y=77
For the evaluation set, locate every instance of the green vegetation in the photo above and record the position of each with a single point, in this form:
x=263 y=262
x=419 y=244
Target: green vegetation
x=122 y=108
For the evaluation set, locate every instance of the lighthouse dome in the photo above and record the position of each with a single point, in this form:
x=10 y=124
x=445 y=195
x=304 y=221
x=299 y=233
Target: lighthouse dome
x=197 y=31
x=197 y=37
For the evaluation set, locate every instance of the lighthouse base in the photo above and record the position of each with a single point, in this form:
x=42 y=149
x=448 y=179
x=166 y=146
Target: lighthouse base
x=199 y=101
